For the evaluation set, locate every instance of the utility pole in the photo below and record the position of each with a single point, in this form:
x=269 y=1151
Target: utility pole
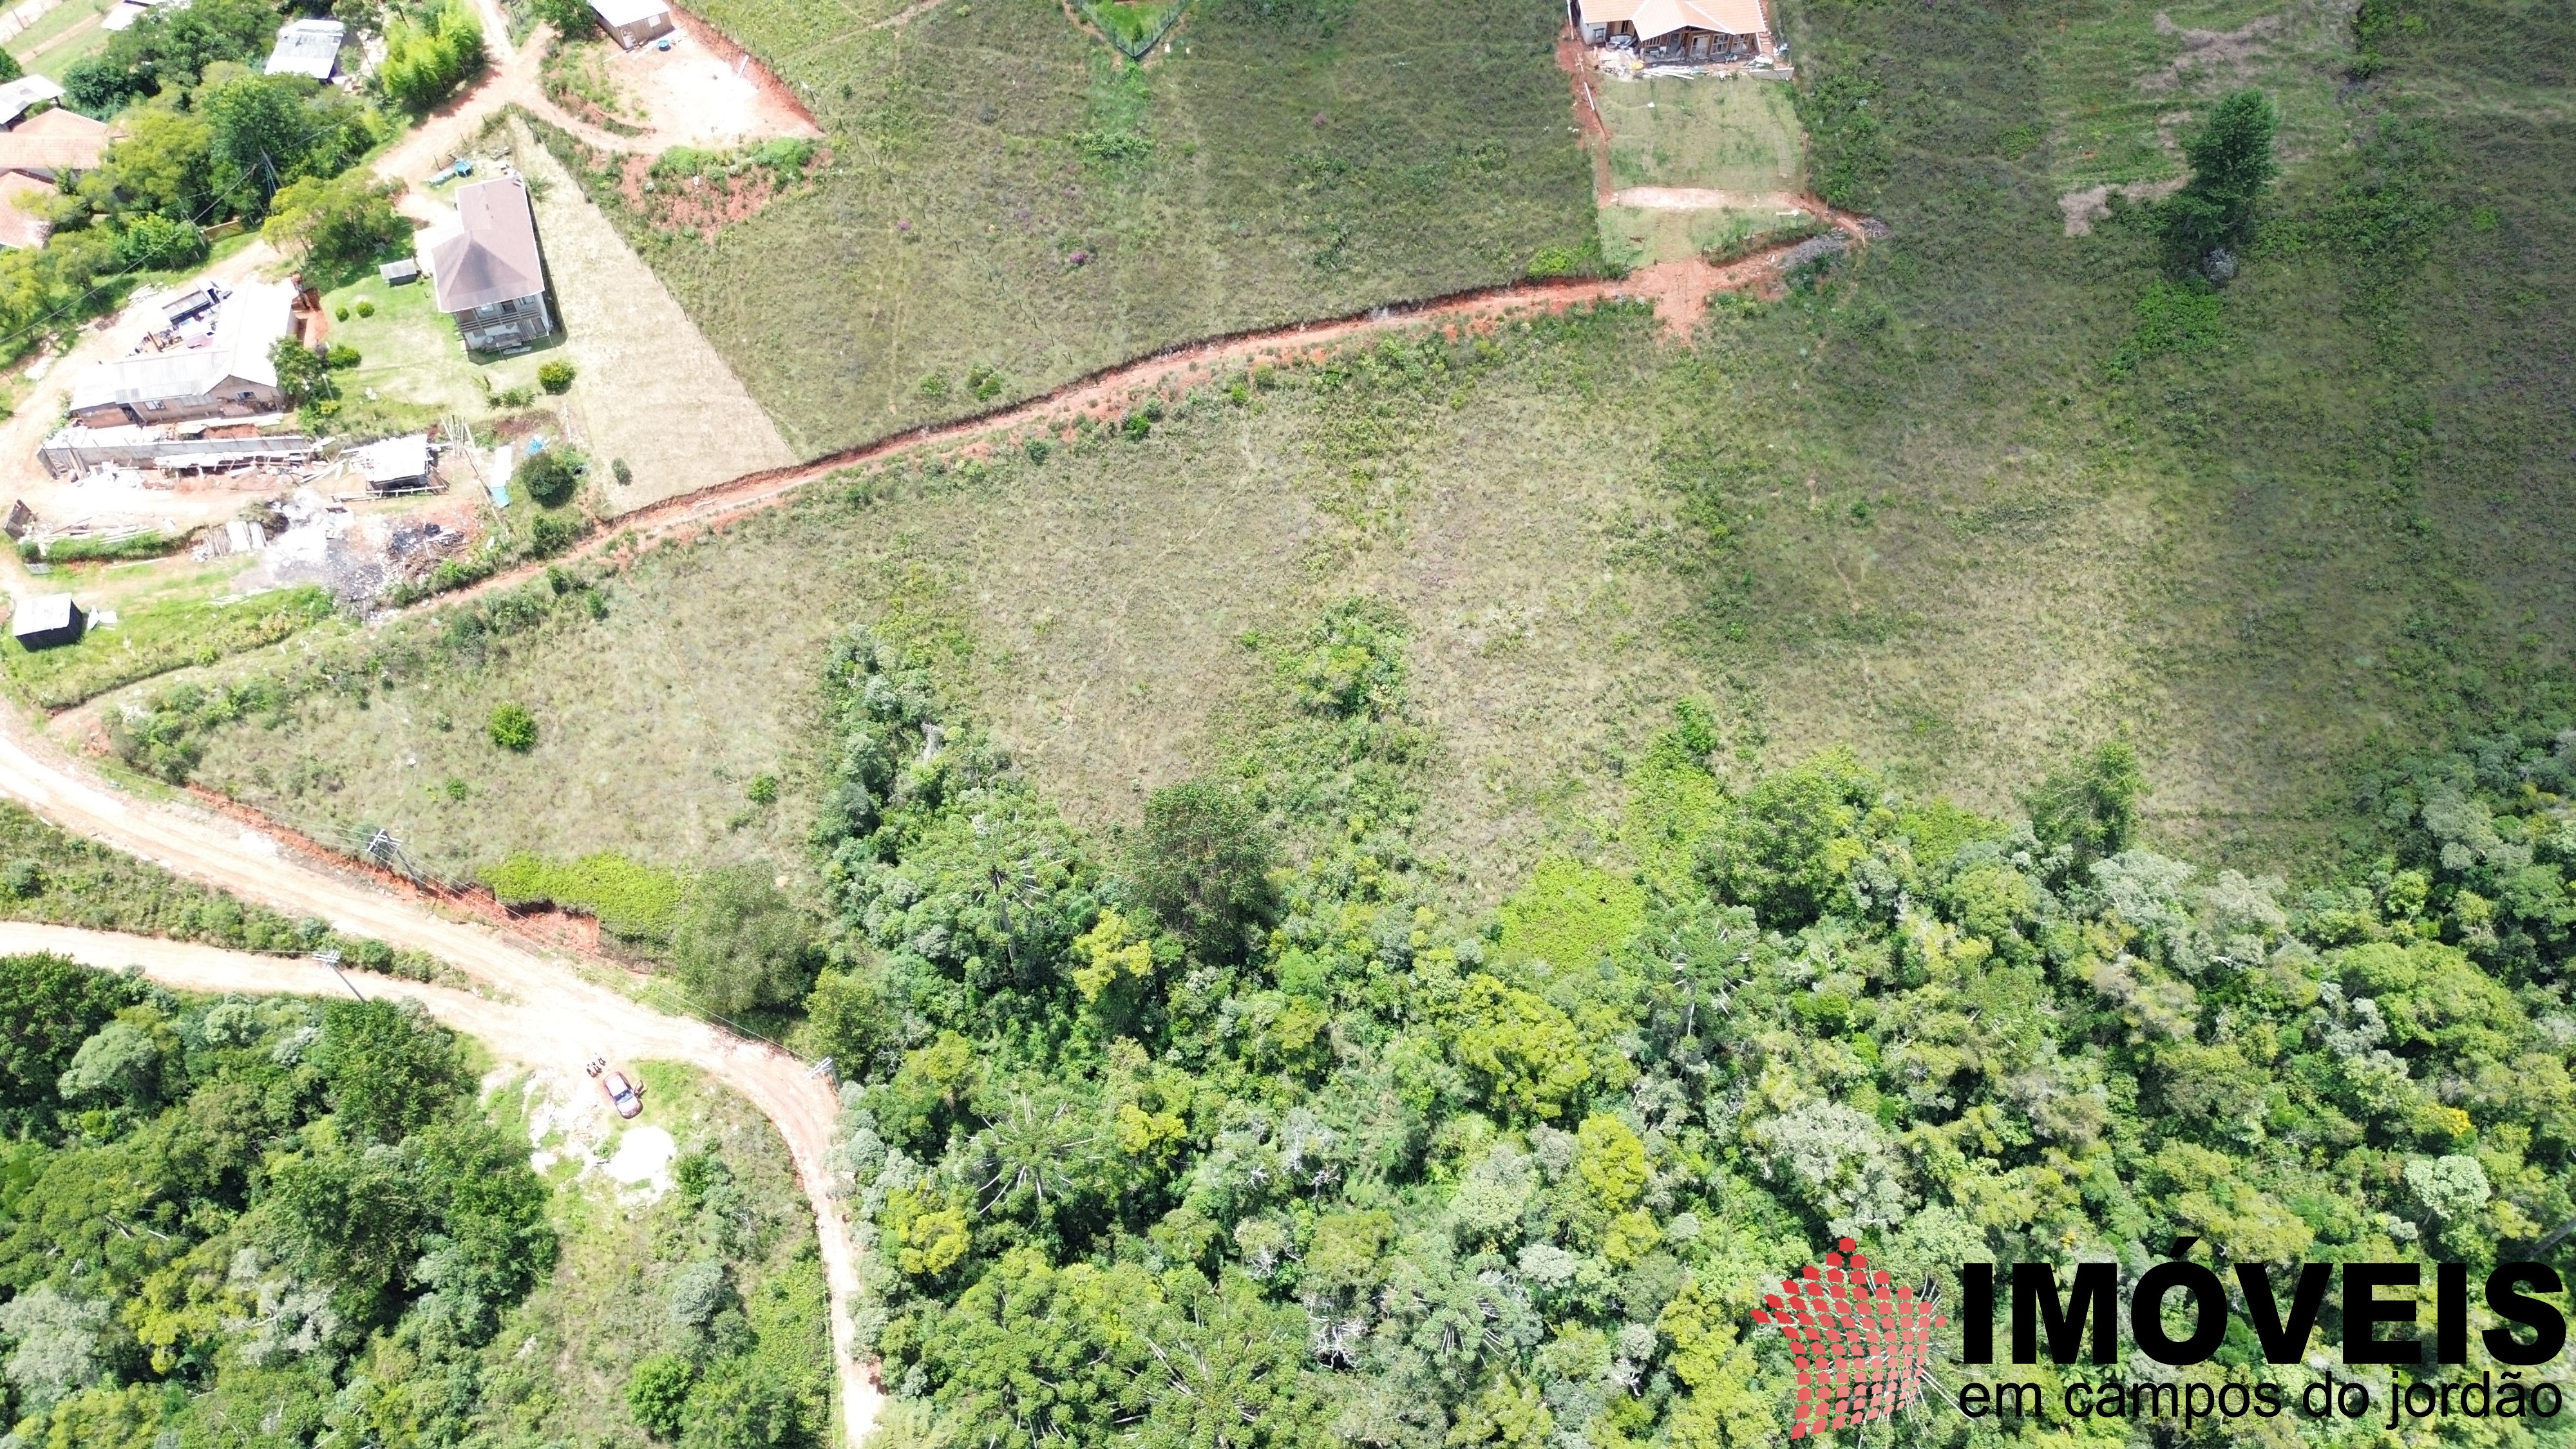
x=332 y=960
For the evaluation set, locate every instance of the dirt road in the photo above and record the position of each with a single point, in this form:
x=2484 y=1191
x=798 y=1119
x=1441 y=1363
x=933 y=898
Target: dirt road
x=542 y=1011
x=1679 y=291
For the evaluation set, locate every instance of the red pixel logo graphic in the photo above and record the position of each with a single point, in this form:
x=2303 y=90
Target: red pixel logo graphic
x=1863 y=1347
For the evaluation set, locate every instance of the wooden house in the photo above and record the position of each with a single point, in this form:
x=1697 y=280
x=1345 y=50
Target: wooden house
x=1677 y=32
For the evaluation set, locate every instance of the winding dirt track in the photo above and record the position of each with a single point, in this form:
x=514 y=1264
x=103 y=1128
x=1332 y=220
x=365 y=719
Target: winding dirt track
x=542 y=1012
x=1679 y=291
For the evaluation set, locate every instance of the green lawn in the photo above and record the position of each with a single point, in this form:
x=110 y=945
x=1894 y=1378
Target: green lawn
x=171 y=625
x=412 y=356
x=1004 y=205
x=61 y=36
x=1724 y=135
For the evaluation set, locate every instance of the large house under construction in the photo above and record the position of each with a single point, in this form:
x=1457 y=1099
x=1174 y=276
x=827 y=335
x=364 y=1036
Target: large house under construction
x=1677 y=32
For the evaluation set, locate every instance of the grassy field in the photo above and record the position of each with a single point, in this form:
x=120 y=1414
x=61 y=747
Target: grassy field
x=1724 y=135
x=165 y=621
x=1942 y=508
x=1739 y=137
x=647 y=389
x=2118 y=84
x=64 y=34
x=1008 y=207
x=557 y=1371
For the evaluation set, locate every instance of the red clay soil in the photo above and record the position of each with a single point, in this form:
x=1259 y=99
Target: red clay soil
x=545 y=925
x=713 y=203
x=778 y=92
x=1679 y=291
x=1575 y=60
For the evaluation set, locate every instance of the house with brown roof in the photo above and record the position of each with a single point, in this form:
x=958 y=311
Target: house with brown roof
x=55 y=143
x=22 y=219
x=487 y=272
x=1682 y=32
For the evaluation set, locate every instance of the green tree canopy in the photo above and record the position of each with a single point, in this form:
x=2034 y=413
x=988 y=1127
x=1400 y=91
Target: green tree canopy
x=1202 y=865
x=336 y=222
x=2232 y=168
x=387 y=1068
x=741 y=943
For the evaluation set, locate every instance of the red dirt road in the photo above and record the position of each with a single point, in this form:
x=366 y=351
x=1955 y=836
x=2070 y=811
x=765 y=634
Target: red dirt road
x=1679 y=291
x=541 y=1011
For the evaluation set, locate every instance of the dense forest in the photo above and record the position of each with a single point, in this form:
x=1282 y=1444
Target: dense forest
x=240 y=1222
x=1229 y=1132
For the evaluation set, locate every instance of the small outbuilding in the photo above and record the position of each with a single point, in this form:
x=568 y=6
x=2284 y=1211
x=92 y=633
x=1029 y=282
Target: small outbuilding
x=395 y=274
x=633 y=22
x=45 y=620
x=396 y=465
x=17 y=97
x=307 y=47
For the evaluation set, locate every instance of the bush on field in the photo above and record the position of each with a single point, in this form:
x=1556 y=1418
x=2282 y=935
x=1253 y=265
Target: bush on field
x=424 y=60
x=513 y=728
x=549 y=477
x=152 y=243
x=634 y=901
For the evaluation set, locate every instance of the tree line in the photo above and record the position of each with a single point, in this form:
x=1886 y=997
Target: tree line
x=1228 y=1129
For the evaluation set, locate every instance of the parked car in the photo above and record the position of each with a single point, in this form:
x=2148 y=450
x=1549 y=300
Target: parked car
x=623 y=1094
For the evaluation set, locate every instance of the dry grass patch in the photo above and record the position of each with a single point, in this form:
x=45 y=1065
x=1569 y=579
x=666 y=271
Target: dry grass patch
x=1523 y=504
x=648 y=387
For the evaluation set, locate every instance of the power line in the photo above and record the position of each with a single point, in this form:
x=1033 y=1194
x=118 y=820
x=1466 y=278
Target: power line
x=212 y=205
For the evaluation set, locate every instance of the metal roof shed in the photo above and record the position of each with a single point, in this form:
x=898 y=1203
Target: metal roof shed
x=396 y=465
x=27 y=90
x=44 y=620
x=307 y=47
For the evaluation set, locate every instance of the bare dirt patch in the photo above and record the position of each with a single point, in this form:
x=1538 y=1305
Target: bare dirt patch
x=704 y=91
x=707 y=202
x=2232 y=52
x=2093 y=203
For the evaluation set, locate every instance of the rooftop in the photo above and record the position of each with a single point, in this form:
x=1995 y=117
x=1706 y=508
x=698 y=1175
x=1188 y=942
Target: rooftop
x=55 y=140
x=18 y=226
x=246 y=326
x=17 y=95
x=395 y=460
x=307 y=47
x=492 y=257
x=1654 y=18
x=41 y=613
x=613 y=13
